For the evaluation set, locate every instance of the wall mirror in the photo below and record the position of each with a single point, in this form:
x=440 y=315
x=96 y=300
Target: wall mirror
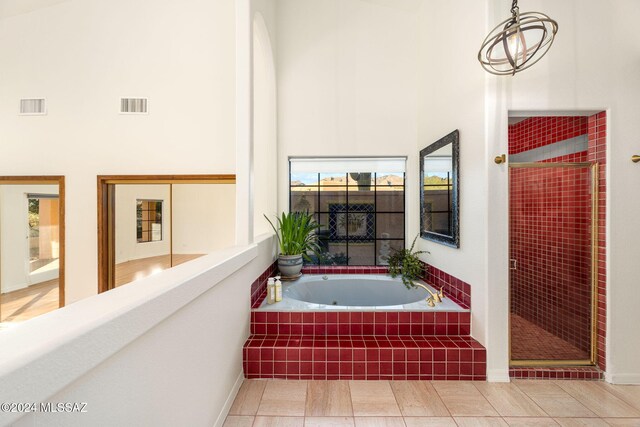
x=440 y=189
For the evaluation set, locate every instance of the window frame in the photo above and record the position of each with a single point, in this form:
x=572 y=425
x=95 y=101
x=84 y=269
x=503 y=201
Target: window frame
x=142 y=220
x=347 y=189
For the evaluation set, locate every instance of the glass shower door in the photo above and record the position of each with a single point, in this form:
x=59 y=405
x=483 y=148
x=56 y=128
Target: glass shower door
x=552 y=214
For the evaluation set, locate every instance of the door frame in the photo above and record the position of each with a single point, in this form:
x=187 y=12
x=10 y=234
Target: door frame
x=106 y=213
x=60 y=182
x=594 y=188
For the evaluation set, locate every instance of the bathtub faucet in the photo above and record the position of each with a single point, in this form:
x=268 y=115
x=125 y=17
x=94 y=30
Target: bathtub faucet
x=434 y=297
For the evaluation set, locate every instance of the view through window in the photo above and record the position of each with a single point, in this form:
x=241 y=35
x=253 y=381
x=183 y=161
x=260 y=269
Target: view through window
x=149 y=220
x=361 y=214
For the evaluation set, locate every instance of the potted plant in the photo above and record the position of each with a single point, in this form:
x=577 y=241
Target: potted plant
x=296 y=237
x=405 y=262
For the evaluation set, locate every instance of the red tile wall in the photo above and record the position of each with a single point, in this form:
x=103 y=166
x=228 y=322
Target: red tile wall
x=537 y=132
x=568 y=257
x=344 y=269
x=550 y=222
x=598 y=153
x=454 y=288
x=259 y=286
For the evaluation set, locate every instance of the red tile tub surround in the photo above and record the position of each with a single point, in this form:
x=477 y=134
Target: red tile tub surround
x=259 y=286
x=364 y=358
x=365 y=345
x=536 y=132
x=344 y=269
x=368 y=323
x=454 y=288
x=577 y=373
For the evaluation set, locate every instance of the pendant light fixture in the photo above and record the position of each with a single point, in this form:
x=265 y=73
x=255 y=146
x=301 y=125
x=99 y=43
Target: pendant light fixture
x=518 y=42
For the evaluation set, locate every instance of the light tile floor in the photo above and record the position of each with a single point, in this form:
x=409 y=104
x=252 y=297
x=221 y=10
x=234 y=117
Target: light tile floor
x=279 y=403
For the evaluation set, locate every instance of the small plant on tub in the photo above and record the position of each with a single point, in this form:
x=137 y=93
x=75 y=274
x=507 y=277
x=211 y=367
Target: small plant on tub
x=405 y=262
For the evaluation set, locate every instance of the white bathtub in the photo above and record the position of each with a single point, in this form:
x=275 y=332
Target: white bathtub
x=349 y=292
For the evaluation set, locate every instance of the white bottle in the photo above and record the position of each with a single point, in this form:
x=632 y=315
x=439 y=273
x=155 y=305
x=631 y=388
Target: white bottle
x=278 y=287
x=271 y=291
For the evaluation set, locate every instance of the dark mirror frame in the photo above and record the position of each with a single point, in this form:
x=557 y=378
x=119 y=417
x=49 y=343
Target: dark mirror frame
x=452 y=240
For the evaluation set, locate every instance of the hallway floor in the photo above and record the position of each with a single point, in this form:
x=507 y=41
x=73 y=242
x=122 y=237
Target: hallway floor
x=531 y=342
x=279 y=403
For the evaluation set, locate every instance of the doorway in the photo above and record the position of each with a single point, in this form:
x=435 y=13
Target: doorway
x=147 y=224
x=31 y=246
x=556 y=222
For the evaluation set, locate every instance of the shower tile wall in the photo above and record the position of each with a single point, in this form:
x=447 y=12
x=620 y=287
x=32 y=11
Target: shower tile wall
x=533 y=300
x=536 y=132
x=550 y=239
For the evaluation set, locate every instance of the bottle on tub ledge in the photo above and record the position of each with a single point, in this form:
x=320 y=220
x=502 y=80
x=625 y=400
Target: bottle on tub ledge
x=278 y=287
x=271 y=290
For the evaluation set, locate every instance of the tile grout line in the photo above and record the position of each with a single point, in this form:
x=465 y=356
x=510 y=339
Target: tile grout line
x=488 y=401
x=530 y=398
x=397 y=403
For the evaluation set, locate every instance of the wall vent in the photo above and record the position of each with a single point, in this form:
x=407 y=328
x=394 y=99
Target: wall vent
x=134 y=105
x=33 y=107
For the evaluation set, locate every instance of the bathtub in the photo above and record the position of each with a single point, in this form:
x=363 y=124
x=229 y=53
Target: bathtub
x=354 y=292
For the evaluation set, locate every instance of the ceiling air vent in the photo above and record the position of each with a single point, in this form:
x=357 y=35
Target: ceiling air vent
x=134 y=105
x=33 y=107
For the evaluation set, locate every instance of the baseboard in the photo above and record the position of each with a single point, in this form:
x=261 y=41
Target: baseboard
x=6 y=288
x=498 y=375
x=622 y=378
x=227 y=404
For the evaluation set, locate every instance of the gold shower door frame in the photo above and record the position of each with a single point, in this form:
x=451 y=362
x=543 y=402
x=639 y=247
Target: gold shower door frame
x=594 y=269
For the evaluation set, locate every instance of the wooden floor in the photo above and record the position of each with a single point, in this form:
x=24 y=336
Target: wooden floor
x=129 y=271
x=29 y=302
x=42 y=298
x=279 y=403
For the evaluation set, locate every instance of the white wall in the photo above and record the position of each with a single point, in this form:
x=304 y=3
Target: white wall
x=451 y=96
x=265 y=145
x=127 y=246
x=203 y=217
x=593 y=65
x=347 y=77
x=82 y=55
x=165 y=352
x=14 y=246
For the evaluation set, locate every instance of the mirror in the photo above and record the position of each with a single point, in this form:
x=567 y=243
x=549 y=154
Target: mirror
x=439 y=196
x=31 y=247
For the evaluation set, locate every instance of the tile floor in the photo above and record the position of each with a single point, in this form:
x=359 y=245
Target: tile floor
x=531 y=342
x=279 y=403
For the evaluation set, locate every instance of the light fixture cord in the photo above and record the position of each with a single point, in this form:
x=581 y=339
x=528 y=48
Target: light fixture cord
x=514 y=8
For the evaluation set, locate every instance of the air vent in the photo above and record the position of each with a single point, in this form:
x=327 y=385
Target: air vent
x=134 y=105
x=33 y=107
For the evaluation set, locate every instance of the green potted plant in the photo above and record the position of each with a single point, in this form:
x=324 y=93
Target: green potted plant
x=405 y=262
x=296 y=238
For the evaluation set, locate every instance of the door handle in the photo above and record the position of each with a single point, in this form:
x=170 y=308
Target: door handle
x=513 y=264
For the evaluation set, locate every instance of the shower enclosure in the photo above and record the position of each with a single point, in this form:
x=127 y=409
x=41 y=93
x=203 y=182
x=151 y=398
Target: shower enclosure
x=553 y=239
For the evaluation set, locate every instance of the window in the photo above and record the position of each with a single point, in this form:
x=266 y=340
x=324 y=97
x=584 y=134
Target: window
x=361 y=214
x=149 y=220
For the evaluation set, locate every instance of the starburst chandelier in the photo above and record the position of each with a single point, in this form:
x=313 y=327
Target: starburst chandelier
x=517 y=42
